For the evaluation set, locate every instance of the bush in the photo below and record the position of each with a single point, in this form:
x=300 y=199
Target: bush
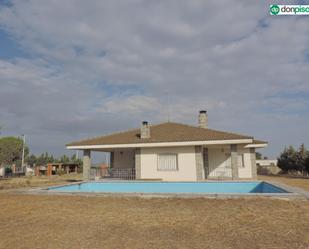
x=8 y=170
x=294 y=161
x=60 y=172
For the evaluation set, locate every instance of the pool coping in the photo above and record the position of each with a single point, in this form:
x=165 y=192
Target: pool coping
x=292 y=192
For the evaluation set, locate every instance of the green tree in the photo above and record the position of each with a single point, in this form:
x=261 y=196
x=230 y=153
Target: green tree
x=258 y=155
x=76 y=160
x=307 y=164
x=287 y=160
x=64 y=159
x=300 y=159
x=31 y=160
x=11 y=150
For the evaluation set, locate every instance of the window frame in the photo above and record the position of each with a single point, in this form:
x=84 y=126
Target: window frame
x=167 y=154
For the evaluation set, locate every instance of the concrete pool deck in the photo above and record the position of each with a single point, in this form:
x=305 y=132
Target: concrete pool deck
x=292 y=193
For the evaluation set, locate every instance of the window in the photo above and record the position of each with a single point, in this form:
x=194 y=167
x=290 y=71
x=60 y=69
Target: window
x=167 y=162
x=240 y=160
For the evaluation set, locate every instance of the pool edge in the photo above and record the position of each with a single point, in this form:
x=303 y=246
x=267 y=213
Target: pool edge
x=292 y=192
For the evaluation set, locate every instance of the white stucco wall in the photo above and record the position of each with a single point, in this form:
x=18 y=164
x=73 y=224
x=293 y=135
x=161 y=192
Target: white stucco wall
x=124 y=159
x=246 y=171
x=186 y=164
x=2 y=170
x=220 y=162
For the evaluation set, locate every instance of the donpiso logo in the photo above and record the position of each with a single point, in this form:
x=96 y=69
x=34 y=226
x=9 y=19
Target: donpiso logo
x=289 y=10
x=274 y=9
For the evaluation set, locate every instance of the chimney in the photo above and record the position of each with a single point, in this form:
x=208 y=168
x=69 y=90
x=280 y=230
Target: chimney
x=203 y=119
x=145 y=130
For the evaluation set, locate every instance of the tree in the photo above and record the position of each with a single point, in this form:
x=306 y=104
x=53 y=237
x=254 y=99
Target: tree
x=64 y=159
x=76 y=160
x=258 y=155
x=300 y=157
x=31 y=160
x=307 y=164
x=287 y=160
x=11 y=150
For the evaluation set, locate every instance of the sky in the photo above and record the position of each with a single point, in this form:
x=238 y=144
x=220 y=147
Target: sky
x=76 y=69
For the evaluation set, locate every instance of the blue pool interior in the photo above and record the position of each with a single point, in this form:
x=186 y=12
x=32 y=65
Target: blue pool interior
x=172 y=187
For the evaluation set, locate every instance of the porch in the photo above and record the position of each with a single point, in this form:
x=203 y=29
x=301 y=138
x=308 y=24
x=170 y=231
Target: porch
x=193 y=163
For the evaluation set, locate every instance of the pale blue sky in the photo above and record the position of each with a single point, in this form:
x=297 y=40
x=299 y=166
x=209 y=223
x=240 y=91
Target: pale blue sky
x=78 y=69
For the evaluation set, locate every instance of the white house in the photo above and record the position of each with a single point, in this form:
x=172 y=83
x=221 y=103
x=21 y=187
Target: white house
x=176 y=152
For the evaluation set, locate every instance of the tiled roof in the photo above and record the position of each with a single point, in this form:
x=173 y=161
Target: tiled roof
x=165 y=132
x=259 y=142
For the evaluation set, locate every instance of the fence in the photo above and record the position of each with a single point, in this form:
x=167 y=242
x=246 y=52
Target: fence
x=116 y=173
x=221 y=173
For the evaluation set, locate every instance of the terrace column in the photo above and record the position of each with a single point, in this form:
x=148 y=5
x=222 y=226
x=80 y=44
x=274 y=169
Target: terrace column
x=86 y=164
x=253 y=163
x=138 y=164
x=234 y=165
x=199 y=162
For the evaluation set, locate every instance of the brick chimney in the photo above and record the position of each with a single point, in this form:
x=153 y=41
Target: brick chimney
x=203 y=119
x=145 y=130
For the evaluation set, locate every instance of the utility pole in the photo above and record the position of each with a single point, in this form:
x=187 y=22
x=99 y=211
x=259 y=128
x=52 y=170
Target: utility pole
x=23 y=155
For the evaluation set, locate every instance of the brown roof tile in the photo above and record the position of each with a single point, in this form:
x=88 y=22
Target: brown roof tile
x=165 y=132
x=259 y=142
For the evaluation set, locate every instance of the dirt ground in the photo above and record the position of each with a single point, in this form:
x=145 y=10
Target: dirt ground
x=77 y=222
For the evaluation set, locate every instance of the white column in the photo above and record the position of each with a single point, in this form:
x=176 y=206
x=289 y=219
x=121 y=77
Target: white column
x=234 y=161
x=86 y=164
x=253 y=163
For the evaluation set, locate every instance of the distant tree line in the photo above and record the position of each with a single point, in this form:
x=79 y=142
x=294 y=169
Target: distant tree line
x=45 y=158
x=259 y=156
x=11 y=153
x=293 y=160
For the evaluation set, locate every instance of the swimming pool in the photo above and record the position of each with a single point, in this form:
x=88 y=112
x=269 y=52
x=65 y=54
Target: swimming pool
x=171 y=187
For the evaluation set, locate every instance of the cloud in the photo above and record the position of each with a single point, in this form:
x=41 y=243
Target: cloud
x=105 y=65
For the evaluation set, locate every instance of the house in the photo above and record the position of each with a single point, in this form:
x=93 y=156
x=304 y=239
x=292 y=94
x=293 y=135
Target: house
x=176 y=152
x=267 y=167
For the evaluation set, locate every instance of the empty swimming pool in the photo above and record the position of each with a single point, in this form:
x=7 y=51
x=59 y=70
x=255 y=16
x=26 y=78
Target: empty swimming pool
x=171 y=187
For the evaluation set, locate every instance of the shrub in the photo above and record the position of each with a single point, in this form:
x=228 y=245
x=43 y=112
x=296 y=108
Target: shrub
x=294 y=161
x=60 y=172
x=8 y=170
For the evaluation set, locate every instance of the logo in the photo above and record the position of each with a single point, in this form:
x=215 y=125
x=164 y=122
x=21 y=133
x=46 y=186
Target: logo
x=274 y=9
x=292 y=10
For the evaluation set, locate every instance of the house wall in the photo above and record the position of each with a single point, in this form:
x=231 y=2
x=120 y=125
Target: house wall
x=2 y=171
x=219 y=160
x=186 y=164
x=124 y=159
x=246 y=171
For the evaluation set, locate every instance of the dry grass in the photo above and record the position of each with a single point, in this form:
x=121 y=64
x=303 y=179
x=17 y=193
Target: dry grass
x=77 y=222
x=105 y=222
x=288 y=180
x=37 y=181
